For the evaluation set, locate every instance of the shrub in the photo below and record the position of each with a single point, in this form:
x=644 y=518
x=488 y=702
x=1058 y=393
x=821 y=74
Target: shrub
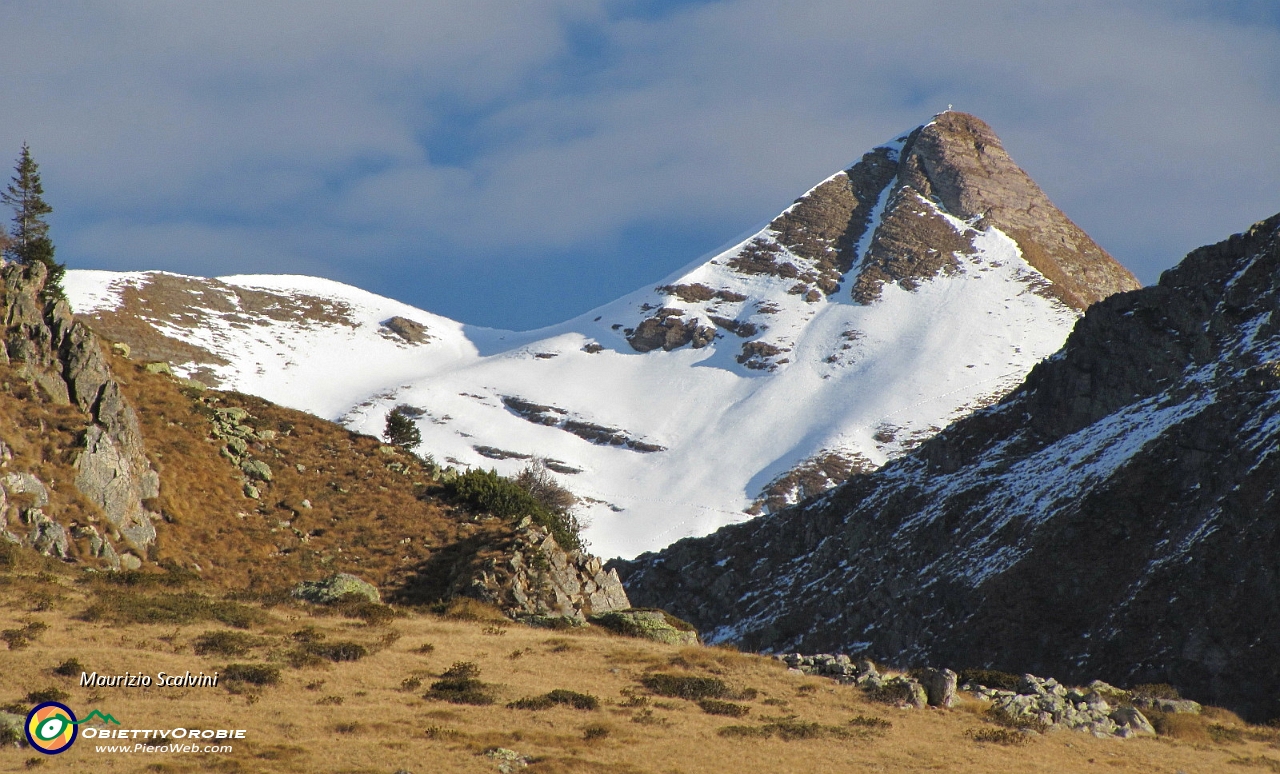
x=787 y=729
x=411 y=683
x=401 y=430
x=460 y=691
x=726 y=708
x=48 y=694
x=866 y=721
x=70 y=668
x=329 y=701
x=595 y=731
x=990 y=678
x=685 y=687
x=18 y=639
x=460 y=685
x=1156 y=691
x=342 y=650
x=425 y=648
x=356 y=606
x=558 y=697
x=308 y=634
x=225 y=643
x=253 y=674
x=1005 y=736
x=10 y=736
x=462 y=670
x=1003 y=717
x=488 y=491
x=170 y=608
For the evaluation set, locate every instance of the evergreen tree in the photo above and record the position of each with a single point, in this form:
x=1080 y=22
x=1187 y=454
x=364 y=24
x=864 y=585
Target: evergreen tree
x=401 y=430
x=30 y=240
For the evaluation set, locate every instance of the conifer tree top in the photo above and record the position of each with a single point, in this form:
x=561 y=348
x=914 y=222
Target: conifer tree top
x=25 y=194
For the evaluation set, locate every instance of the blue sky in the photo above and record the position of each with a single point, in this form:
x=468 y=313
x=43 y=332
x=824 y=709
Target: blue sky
x=516 y=163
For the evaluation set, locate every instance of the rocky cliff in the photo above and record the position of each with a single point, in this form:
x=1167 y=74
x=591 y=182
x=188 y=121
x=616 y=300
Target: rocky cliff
x=61 y=361
x=1115 y=516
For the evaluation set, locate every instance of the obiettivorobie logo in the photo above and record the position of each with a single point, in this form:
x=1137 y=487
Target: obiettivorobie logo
x=52 y=727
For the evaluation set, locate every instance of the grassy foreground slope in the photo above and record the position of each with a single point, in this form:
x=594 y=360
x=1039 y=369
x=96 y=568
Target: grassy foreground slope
x=369 y=689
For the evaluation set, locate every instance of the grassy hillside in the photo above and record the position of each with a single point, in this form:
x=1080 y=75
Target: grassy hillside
x=337 y=501
x=390 y=707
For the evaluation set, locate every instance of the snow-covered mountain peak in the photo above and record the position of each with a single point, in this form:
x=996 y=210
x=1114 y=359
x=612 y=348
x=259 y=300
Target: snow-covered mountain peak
x=889 y=300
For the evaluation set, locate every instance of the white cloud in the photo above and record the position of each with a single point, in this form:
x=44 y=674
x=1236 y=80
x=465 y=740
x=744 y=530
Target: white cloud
x=510 y=134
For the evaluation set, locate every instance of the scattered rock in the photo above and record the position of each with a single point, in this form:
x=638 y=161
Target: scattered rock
x=159 y=368
x=508 y=760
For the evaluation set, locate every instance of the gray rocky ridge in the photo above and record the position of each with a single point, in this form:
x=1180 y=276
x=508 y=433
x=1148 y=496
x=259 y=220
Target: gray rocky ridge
x=1114 y=516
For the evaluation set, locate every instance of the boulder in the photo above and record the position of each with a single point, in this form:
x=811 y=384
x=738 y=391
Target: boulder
x=1132 y=719
x=335 y=588
x=940 y=686
x=648 y=624
x=256 y=469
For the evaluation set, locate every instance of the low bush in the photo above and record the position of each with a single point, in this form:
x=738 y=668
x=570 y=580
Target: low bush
x=17 y=639
x=70 y=668
x=867 y=721
x=359 y=607
x=460 y=685
x=460 y=691
x=225 y=643
x=318 y=651
x=1155 y=691
x=558 y=697
x=127 y=607
x=252 y=674
x=10 y=736
x=1003 y=717
x=725 y=708
x=1004 y=736
x=48 y=694
x=990 y=678
x=504 y=498
x=788 y=729
x=685 y=686
x=595 y=731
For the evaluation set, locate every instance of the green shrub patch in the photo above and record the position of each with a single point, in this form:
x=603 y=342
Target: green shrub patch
x=253 y=674
x=558 y=697
x=725 y=708
x=685 y=686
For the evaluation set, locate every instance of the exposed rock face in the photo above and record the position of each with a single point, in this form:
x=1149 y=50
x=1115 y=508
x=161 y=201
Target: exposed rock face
x=653 y=625
x=335 y=588
x=956 y=165
x=959 y=162
x=410 y=331
x=667 y=331
x=1110 y=517
x=533 y=577
x=64 y=358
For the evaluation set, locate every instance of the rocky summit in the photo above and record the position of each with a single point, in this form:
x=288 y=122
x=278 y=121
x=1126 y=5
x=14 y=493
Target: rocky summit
x=1114 y=516
x=896 y=296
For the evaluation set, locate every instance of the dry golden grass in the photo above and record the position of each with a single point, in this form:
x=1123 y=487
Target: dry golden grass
x=369 y=715
x=338 y=501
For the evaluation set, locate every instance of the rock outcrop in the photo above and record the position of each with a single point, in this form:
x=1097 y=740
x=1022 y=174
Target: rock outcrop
x=1109 y=517
x=63 y=359
x=532 y=577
